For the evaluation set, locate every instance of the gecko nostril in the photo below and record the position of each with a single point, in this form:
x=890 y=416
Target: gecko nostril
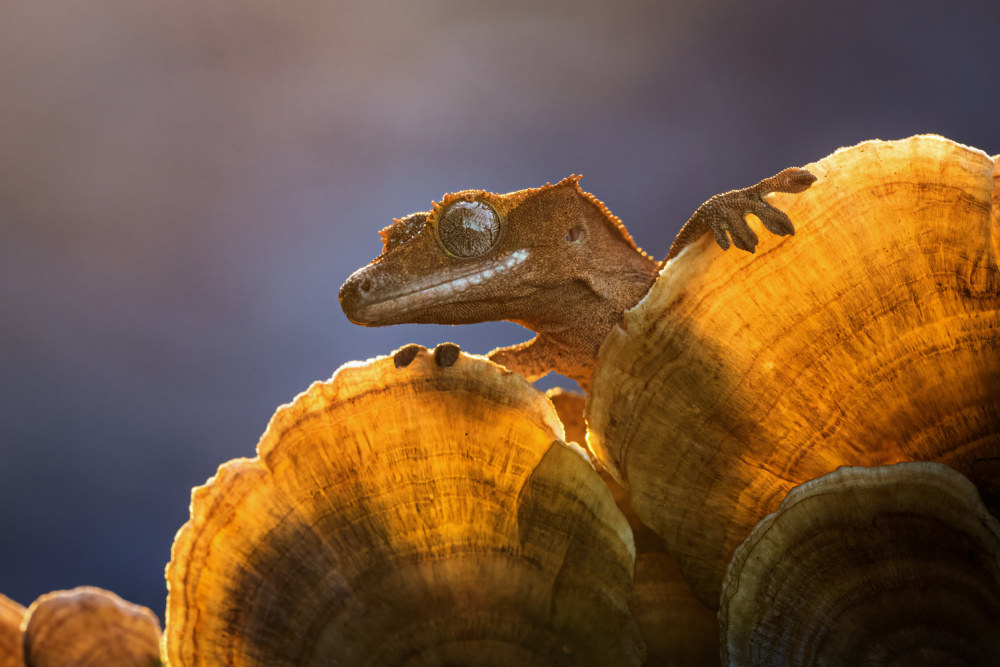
x=364 y=285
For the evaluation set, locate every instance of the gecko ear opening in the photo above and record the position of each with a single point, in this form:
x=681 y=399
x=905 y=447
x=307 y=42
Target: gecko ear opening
x=575 y=235
x=469 y=228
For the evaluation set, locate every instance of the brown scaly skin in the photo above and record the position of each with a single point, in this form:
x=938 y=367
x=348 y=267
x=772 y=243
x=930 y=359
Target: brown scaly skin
x=552 y=259
x=727 y=213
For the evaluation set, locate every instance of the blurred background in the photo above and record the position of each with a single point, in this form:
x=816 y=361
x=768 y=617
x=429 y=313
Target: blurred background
x=185 y=185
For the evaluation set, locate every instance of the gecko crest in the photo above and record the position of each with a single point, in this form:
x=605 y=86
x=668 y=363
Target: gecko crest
x=401 y=230
x=553 y=259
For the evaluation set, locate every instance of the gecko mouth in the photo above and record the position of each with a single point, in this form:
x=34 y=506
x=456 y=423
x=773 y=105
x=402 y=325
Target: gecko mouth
x=363 y=307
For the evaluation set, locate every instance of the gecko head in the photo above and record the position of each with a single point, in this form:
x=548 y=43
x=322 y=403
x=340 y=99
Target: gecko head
x=478 y=256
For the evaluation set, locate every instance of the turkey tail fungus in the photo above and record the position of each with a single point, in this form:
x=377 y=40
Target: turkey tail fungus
x=11 y=615
x=416 y=509
x=89 y=627
x=870 y=337
x=677 y=629
x=892 y=565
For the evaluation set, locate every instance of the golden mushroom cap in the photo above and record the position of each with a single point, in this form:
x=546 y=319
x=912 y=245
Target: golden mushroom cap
x=89 y=627
x=417 y=509
x=569 y=407
x=870 y=337
x=677 y=629
x=11 y=615
x=892 y=565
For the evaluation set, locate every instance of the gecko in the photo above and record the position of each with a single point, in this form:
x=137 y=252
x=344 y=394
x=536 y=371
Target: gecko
x=553 y=259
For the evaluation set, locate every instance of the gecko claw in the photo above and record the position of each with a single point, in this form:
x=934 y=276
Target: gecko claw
x=791 y=180
x=776 y=222
x=735 y=223
x=726 y=214
x=721 y=237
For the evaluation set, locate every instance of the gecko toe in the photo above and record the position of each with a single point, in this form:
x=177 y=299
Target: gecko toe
x=773 y=219
x=744 y=238
x=790 y=180
x=731 y=219
x=719 y=231
x=446 y=354
x=726 y=214
x=776 y=221
x=405 y=355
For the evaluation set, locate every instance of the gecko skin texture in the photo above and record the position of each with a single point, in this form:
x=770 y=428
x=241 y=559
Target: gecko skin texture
x=553 y=259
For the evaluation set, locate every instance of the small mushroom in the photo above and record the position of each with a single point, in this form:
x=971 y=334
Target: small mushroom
x=870 y=337
x=89 y=627
x=679 y=631
x=11 y=615
x=418 y=509
x=892 y=565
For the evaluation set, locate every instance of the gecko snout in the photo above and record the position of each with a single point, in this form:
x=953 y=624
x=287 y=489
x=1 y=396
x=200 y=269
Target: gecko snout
x=354 y=293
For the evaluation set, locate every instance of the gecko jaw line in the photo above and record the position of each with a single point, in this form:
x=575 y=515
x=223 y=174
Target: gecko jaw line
x=425 y=296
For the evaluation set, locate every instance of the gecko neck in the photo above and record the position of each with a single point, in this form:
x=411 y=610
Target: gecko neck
x=573 y=323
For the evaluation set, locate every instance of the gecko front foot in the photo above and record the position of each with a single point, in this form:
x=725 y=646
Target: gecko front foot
x=726 y=214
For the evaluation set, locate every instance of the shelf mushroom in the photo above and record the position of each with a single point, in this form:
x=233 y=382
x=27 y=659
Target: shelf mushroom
x=677 y=629
x=419 y=509
x=89 y=627
x=891 y=565
x=11 y=615
x=870 y=337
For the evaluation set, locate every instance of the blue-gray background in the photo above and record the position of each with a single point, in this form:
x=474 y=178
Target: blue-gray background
x=184 y=185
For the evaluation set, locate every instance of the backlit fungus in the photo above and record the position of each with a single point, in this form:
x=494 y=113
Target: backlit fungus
x=870 y=337
x=89 y=627
x=892 y=565
x=416 y=509
x=11 y=615
x=679 y=631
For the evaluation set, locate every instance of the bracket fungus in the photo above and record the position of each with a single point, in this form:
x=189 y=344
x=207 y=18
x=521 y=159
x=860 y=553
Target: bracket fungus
x=11 y=615
x=89 y=627
x=892 y=565
x=677 y=629
x=416 y=509
x=870 y=337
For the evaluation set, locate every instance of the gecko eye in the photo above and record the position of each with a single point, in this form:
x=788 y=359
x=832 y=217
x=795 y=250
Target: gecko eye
x=469 y=228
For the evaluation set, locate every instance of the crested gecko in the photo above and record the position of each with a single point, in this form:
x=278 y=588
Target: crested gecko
x=553 y=259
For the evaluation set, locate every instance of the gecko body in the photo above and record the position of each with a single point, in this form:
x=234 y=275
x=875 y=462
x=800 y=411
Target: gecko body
x=553 y=259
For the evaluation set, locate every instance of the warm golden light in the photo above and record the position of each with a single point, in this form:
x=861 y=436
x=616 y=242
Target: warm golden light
x=869 y=337
x=422 y=505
